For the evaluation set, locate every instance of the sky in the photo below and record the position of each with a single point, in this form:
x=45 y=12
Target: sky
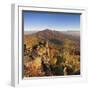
x=37 y=21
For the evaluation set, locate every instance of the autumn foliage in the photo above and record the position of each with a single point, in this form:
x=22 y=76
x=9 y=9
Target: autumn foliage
x=51 y=56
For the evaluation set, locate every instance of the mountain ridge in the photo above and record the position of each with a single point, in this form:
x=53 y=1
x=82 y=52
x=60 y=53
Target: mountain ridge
x=56 y=36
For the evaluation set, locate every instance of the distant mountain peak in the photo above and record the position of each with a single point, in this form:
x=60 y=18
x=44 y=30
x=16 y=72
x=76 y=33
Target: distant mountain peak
x=47 y=30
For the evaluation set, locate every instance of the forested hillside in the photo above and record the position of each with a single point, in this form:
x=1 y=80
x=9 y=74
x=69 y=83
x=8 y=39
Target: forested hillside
x=51 y=53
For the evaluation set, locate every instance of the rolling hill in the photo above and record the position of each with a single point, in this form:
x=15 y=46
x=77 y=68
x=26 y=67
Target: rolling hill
x=54 y=37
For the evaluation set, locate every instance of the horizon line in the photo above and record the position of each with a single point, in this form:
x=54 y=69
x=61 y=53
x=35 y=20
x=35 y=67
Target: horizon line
x=50 y=30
